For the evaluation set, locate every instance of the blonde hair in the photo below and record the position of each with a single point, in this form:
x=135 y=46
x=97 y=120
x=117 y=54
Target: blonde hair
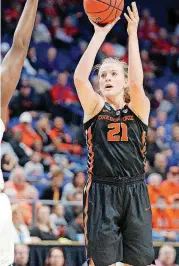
x=124 y=65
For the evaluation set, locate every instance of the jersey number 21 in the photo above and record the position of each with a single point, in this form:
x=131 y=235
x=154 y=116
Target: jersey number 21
x=115 y=130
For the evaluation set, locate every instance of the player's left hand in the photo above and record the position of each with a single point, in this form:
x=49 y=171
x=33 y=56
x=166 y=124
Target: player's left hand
x=132 y=19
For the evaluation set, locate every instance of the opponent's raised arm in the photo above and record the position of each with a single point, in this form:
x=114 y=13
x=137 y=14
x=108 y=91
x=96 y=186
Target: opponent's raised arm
x=13 y=61
x=135 y=75
x=88 y=97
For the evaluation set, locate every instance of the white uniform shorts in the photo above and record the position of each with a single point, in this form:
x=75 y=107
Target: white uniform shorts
x=6 y=232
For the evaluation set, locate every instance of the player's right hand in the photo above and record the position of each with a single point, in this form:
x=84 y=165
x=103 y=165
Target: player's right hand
x=104 y=30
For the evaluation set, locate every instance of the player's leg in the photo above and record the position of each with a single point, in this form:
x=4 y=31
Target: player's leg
x=91 y=262
x=137 y=228
x=101 y=221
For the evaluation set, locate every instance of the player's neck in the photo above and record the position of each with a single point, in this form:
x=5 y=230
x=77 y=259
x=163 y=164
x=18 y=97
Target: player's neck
x=117 y=103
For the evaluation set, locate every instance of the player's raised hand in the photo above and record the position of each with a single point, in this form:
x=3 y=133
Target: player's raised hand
x=104 y=30
x=132 y=18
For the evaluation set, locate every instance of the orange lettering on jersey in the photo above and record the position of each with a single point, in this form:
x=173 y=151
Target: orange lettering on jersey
x=128 y=117
x=117 y=119
x=109 y=118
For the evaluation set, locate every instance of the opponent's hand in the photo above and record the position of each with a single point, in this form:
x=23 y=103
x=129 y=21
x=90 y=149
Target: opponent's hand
x=103 y=30
x=132 y=19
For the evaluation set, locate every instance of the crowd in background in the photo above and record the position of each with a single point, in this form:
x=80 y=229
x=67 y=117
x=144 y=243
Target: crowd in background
x=43 y=153
x=56 y=256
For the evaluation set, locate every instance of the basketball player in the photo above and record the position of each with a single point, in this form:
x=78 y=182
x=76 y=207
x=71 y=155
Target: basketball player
x=10 y=72
x=117 y=213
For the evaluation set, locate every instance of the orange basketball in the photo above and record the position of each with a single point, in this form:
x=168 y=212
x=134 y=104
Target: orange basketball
x=103 y=11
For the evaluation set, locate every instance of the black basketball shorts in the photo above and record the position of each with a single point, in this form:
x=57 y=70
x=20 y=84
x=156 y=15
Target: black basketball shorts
x=118 y=223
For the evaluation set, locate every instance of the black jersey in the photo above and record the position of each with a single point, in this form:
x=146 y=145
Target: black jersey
x=116 y=144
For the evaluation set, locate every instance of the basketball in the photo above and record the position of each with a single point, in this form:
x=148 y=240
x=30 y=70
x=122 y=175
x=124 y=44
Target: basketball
x=103 y=11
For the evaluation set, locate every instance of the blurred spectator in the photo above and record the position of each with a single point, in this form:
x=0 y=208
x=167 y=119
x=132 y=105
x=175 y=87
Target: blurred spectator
x=32 y=58
x=8 y=162
x=59 y=35
x=43 y=130
x=161 y=42
x=161 y=47
x=157 y=98
x=161 y=138
x=17 y=182
x=167 y=107
x=62 y=92
x=41 y=32
x=160 y=164
x=69 y=27
x=58 y=135
x=54 y=191
x=161 y=215
x=57 y=215
x=167 y=256
x=21 y=150
x=26 y=208
x=174 y=144
x=55 y=258
x=21 y=255
x=153 y=123
x=172 y=92
x=64 y=229
x=175 y=211
x=34 y=167
x=161 y=118
x=29 y=135
x=154 y=187
x=64 y=164
x=45 y=229
x=170 y=186
x=28 y=69
x=25 y=100
x=49 y=9
x=71 y=212
x=14 y=11
x=47 y=159
x=61 y=139
x=77 y=225
x=20 y=230
x=76 y=185
x=50 y=62
x=148 y=66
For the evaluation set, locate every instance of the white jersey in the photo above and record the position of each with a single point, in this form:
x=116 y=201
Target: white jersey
x=2 y=129
x=6 y=226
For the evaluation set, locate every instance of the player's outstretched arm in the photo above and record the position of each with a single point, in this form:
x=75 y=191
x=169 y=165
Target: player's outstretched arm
x=13 y=61
x=139 y=101
x=88 y=97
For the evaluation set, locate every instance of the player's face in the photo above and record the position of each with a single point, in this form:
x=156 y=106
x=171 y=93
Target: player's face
x=111 y=79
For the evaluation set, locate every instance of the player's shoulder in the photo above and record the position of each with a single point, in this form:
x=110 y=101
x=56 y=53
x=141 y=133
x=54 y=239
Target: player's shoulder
x=96 y=111
x=142 y=117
